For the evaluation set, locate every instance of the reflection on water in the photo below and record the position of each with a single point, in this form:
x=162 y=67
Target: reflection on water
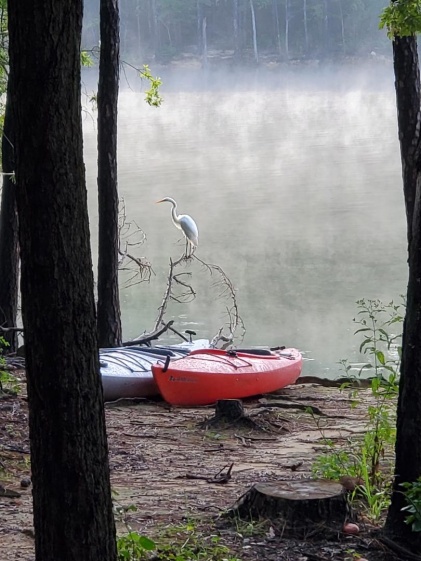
x=296 y=189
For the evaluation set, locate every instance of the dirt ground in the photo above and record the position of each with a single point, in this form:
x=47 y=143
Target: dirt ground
x=166 y=465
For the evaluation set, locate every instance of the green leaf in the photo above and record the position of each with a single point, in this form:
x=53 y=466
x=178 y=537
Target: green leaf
x=380 y=357
x=147 y=543
x=364 y=344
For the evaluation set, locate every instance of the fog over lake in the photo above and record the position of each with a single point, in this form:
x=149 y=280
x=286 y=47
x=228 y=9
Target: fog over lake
x=293 y=177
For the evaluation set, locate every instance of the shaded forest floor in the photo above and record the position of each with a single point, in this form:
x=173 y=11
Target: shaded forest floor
x=166 y=466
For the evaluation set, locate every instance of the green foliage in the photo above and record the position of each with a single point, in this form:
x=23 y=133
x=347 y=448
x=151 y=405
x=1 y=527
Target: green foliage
x=184 y=542
x=187 y=543
x=132 y=546
x=384 y=349
x=8 y=382
x=402 y=18
x=362 y=458
x=153 y=96
x=413 y=508
x=86 y=59
x=336 y=462
x=376 y=495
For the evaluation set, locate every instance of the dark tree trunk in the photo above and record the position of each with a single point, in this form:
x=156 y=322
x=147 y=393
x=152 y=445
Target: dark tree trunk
x=407 y=86
x=109 y=321
x=72 y=504
x=408 y=437
x=9 y=249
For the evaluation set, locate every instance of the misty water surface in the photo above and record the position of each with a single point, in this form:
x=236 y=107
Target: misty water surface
x=294 y=180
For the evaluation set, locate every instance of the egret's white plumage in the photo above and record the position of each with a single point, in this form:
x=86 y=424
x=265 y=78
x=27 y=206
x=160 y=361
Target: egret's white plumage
x=183 y=222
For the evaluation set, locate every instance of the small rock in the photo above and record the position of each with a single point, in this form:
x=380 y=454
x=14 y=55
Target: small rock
x=25 y=483
x=351 y=529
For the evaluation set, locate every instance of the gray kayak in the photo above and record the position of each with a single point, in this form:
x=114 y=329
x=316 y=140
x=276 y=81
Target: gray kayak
x=126 y=371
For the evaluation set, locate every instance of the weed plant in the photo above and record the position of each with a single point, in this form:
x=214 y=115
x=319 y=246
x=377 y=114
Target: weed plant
x=182 y=542
x=367 y=458
x=8 y=382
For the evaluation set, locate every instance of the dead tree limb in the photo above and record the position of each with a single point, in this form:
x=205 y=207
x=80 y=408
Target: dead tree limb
x=11 y=329
x=226 y=289
x=148 y=337
x=130 y=235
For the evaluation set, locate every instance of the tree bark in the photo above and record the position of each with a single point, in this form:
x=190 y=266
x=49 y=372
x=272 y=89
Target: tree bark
x=408 y=436
x=72 y=504
x=407 y=86
x=109 y=320
x=229 y=410
x=9 y=247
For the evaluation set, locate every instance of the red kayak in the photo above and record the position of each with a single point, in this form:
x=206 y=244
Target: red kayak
x=207 y=375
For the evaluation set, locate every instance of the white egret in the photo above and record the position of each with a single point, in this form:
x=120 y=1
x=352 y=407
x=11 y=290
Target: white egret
x=185 y=223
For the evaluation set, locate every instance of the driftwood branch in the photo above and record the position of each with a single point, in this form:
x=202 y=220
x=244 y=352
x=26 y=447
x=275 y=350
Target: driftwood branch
x=327 y=383
x=226 y=290
x=11 y=329
x=130 y=235
x=148 y=337
x=168 y=294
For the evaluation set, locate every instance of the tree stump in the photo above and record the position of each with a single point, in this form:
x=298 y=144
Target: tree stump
x=229 y=410
x=302 y=507
x=229 y=413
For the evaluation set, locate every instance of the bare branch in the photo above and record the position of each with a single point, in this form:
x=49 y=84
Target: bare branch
x=148 y=337
x=168 y=291
x=11 y=329
x=227 y=290
x=131 y=235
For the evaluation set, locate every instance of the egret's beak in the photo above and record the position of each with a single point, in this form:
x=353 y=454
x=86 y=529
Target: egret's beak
x=161 y=201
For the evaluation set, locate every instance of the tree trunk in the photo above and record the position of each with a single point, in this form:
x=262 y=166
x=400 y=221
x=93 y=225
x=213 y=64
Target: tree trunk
x=326 y=18
x=155 y=30
x=235 y=24
x=9 y=249
x=287 y=29
x=342 y=26
x=205 y=43
x=278 y=31
x=305 y=26
x=408 y=436
x=109 y=321
x=199 y=23
x=300 y=505
x=407 y=86
x=253 y=23
x=72 y=504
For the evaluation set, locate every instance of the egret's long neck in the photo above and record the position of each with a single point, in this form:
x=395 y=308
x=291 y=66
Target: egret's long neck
x=175 y=218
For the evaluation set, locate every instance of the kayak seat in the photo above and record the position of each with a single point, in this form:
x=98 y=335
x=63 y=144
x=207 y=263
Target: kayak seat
x=260 y=352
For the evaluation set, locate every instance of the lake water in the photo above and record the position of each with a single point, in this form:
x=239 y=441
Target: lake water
x=294 y=179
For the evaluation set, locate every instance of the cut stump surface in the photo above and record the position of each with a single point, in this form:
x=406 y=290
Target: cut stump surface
x=302 y=506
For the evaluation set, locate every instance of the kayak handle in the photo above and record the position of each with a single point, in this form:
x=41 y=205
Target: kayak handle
x=190 y=332
x=167 y=363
